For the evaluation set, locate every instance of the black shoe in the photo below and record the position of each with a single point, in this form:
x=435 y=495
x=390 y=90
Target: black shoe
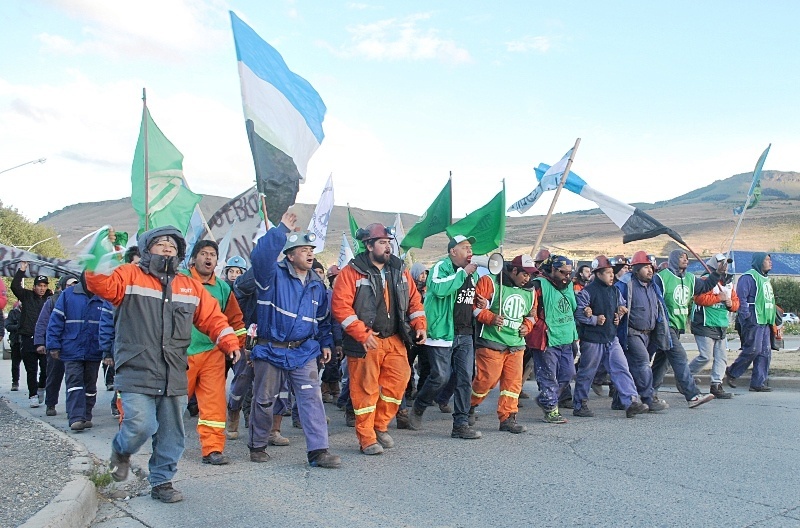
x=466 y=432
x=114 y=411
x=729 y=380
x=617 y=406
x=566 y=404
x=194 y=410
x=584 y=411
x=402 y=419
x=719 y=393
x=215 y=458
x=166 y=493
x=326 y=460
x=763 y=388
x=510 y=424
x=51 y=411
x=636 y=407
x=119 y=465
x=15 y=387
x=446 y=408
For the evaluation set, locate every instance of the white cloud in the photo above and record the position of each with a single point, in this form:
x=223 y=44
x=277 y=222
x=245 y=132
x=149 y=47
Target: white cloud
x=530 y=43
x=401 y=39
x=131 y=28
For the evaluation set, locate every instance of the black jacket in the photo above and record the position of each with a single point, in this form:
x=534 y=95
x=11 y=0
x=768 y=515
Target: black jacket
x=31 y=304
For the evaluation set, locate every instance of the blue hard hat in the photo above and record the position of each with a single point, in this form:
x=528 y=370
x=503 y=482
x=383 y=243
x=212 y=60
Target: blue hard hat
x=236 y=262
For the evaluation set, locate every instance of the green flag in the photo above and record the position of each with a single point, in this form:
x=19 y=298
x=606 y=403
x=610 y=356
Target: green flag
x=487 y=225
x=358 y=247
x=434 y=220
x=99 y=255
x=754 y=194
x=170 y=200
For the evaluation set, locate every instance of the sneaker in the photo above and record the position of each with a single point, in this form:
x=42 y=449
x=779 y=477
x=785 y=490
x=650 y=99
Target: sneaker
x=636 y=407
x=77 y=426
x=374 y=449
x=349 y=418
x=466 y=432
x=658 y=405
x=277 y=439
x=597 y=388
x=763 y=388
x=384 y=439
x=326 y=460
x=584 y=411
x=40 y=396
x=33 y=401
x=699 y=400
x=554 y=417
x=115 y=411
x=51 y=411
x=472 y=417
x=415 y=419
x=119 y=465
x=510 y=424
x=215 y=458
x=258 y=455
x=15 y=387
x=402 y=419
x=719 y=393
x=446 y=408
x=232 y=425
x=166 y=493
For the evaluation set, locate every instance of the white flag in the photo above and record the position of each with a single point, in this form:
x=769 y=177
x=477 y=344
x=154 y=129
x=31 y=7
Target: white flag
x=399 y=235
x=549 y=182
x=345 y=253
x=322 y=213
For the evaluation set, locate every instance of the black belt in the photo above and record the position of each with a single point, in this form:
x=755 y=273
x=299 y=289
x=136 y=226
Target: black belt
x=282 y=344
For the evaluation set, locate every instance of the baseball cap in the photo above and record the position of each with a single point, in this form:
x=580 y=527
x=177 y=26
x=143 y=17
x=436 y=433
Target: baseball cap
x=524 y=262
x=41 y=278
x=456 y=240
x=719 y=257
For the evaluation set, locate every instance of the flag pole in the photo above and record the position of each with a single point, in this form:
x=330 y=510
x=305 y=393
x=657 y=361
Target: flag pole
x=750 y=192
x=146 y=164
x=561 y=183
x=450 y=179
x=500 y=281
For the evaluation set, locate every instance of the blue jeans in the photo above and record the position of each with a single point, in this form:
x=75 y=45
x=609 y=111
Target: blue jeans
x=81 y=381
x=708 y=347
x=159 y=418
x=456 y=362
x=756 y=349
x=680 y=367
x=555 y=368
x=639 y=364
x=609 y=355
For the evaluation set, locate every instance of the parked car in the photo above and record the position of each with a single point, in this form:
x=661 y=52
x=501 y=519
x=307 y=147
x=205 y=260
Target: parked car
x=789 y=317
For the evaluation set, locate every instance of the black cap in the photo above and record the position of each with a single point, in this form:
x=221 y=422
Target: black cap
x=41 y=278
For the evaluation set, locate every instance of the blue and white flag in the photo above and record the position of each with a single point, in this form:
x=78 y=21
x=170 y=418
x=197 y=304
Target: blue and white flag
x=548 y=181
x=321 y=216
x=345 y=253
x=634 y=223
x=399 y=235
x=283 y=116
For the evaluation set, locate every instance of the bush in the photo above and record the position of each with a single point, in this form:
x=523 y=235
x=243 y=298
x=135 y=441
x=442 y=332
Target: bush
x=787 y=294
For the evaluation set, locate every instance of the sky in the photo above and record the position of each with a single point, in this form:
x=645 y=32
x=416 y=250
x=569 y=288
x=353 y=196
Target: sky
x=665 y=96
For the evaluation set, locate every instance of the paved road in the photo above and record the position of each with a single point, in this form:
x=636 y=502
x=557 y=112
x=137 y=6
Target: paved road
x=729 y=463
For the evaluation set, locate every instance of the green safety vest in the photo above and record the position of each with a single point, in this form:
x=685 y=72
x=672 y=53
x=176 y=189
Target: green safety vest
x=715 y=316
x=517 y=304
x=559 y=311
x=765 y=298
x=678 y=295
x=221 y=292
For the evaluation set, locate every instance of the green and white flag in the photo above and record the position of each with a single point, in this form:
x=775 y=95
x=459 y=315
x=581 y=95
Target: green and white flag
x=99 y=255
x=358 y=247
x=170 y=202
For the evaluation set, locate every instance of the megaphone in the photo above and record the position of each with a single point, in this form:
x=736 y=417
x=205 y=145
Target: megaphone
x=494 y=262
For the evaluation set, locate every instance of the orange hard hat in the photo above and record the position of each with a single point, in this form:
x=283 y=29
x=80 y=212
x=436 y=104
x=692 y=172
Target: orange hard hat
x=641 y=257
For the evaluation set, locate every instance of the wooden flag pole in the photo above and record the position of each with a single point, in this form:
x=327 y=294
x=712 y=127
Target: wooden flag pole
x=146 y=164
x=561 y=183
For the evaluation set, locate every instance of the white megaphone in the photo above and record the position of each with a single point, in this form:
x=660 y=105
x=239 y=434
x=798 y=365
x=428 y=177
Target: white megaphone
x=493 y=263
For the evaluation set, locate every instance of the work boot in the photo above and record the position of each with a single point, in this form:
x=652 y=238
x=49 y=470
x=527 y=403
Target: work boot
x=384 y=439
x=615 y=406
x=327 y=397
x=510 y=424
x=349 y=418
x=719 y=393
x=215 y=458
x=87 y=424
x=119 y=465
x=166 y=493
x=584 y=411
x=566 y=404
x=77 y=426
x=296 y=423
x=729 y=380
x=636 y=407
x=232 y=426
x=446 y=408
x=554 y=417
x=374 y=449
x=763 y=388
x=324 y=459
x=276 y=439
x=258 y=455
x=51 y=411
x=466 y=432
x=415 y=419
x=472 y=417
x=658 y=405
x=699 y=400
x=402 y=419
